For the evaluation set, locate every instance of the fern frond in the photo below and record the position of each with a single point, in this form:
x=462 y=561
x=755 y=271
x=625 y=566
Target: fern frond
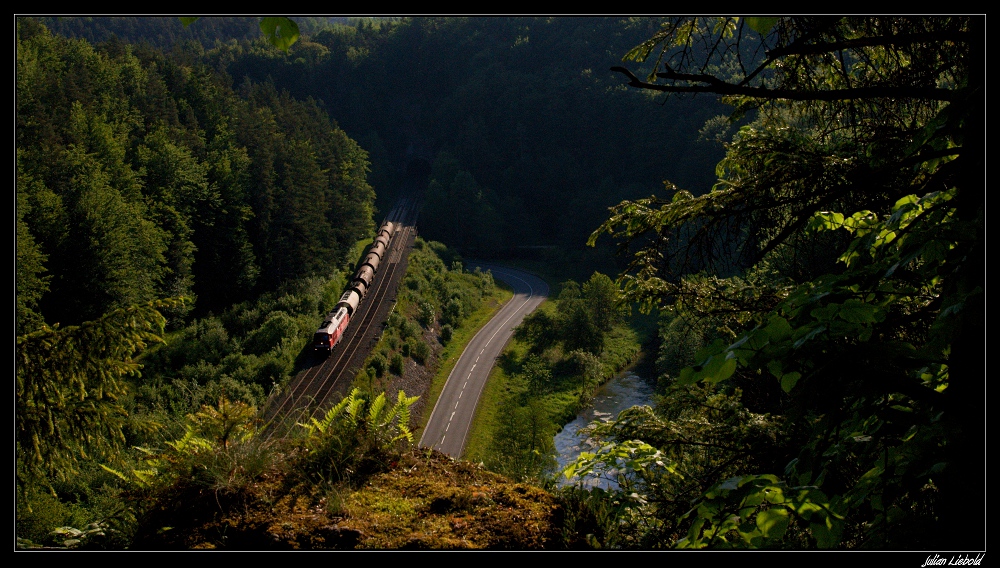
x=375 y=410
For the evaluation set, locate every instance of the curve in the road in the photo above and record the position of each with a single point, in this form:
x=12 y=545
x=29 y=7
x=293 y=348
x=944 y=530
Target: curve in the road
x=451 y=418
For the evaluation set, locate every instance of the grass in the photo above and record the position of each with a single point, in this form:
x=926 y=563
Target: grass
x=356 y=255
x=449 y=356
x=484 y=421
x=621 y=348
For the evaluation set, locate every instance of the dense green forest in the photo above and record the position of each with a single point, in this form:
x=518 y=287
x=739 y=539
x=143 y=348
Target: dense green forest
x=167 y=32
x=811 y=246
x=497 y=107
x=143 y=176
x=527 y=133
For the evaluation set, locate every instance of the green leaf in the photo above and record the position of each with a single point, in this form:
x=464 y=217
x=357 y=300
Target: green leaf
x=856 y=311
x=778 y=329
x=762 y=25
x=825 y=532
x=725 y=370
x=716 y=347
x=774 y=366
x=773 y=522
x=717 y=369
x=715 y=366
x=188 y=20
x=687 y=376
x=813 y=332
x=281 y=32
x=904 y=201
x=774 y=495
x=788 y=381
x=825 y=313
x=827 y=221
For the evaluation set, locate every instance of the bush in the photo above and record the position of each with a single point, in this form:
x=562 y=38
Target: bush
x=378 y=364
x=421 y=351
x=200 y=372
x=277 y=327
x=446 y=334
x=426 y=315
x=219 y=450
x=409 y=330
x=452 y=313
x=210 y=341
x=396 y=321
x=485 y=283
x=46 y=512
x=396 y=364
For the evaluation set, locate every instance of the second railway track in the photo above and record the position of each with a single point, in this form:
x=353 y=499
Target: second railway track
x=318 y=387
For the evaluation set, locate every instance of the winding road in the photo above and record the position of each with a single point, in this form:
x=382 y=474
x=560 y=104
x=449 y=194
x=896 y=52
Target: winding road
x=451 y=418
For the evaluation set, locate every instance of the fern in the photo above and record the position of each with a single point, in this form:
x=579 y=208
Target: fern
x=356 y=436
x=218 y=449
x=356 y=411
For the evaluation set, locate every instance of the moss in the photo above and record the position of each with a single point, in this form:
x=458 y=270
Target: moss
x=426 y=501
x=435 y=502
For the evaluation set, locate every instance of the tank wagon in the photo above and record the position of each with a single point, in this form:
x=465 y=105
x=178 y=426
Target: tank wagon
x=335 y=323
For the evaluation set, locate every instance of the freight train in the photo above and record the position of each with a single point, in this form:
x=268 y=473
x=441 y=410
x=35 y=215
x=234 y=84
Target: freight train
x=335 y=324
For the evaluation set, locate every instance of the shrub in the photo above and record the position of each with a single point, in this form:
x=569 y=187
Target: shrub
x=452 y=313
x=396 y=321
x=426 y=315
x=378 y=364
x=409 y=330
x=276 y=328
x=219 y=451
x=421 y=351
x=396 y=364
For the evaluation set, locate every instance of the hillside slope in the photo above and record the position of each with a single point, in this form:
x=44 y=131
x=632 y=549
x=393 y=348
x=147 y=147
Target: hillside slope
x=426 y=501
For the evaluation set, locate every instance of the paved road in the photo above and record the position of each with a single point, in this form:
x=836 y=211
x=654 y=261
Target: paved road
x=449 y=424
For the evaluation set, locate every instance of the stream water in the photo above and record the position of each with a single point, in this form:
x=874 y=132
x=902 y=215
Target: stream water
x=624 y=391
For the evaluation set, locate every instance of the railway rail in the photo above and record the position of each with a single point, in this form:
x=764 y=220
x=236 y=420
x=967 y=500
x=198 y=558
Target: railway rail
x=317 y=388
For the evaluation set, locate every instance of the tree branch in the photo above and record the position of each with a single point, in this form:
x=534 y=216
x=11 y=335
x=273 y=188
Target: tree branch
x=716 y=86
x=903 y=39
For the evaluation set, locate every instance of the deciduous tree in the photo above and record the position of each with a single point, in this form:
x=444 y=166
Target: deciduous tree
x=870 y=128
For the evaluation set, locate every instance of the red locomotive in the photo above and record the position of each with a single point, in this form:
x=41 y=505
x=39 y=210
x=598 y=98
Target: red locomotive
x=331 y=330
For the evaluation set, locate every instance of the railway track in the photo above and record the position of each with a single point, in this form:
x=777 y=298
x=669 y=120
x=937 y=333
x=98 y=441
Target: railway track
x=317 y=388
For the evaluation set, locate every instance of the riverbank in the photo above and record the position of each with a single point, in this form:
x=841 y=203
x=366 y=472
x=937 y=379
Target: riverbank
x=627 y=389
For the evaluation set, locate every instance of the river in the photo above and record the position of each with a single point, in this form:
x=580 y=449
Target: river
x=624 y=391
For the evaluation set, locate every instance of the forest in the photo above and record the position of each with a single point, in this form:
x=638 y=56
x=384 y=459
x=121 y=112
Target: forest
x=797 y=203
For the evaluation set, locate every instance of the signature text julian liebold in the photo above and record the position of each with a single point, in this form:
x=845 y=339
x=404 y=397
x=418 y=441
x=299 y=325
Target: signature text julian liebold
x=960 y=560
